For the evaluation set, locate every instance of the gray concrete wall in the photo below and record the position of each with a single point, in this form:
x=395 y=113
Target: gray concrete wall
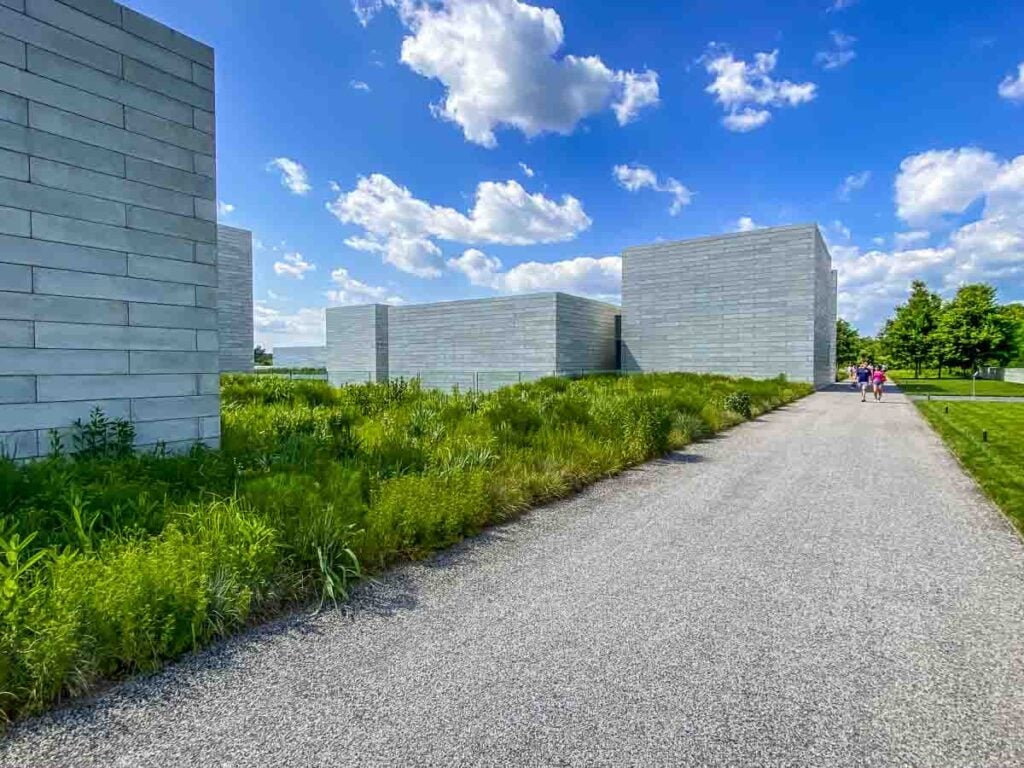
x=234 y=298
x=825 y=308
x=744 y=304
x=300 y=357
x=357 y=343
x=585 y=334
x=107 y=225
x=1015 y=375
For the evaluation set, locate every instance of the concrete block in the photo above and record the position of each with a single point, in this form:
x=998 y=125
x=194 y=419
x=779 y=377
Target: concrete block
x=34 y=197
x=15 y=333
x=45 y=91
x=78 y=336
x=38 y=362
x=204 y=121
x=209 y=426
x=14 y=221
x=69 y=388
x=157 y=33
x=14 y=165
x=40 y=253
x=109 y=36
x=13 y=109
x=171 y=270
x=15 y=277
x=204 y=209
x=205 y=165
x=206 y=253
x=163 y=316
x=188 y=227
x=208 y=383
x=106 y=10
x=72 y=126
x=12 y=51
x=234 y=298
x=25 y=306
x=73 y=179
x=75 y=232
x=108 y=86
x=19 y=445
x=159 y=408
x=169 y=85
x=202 y=76
x=18 y=5
x=206 y=297
x=207 y=341
x=171 y=431
x=43 y=416
x=167 y=130
x=58 y=282
x=77 y=153
x=170 y=178
x=34 y=32
x=17 y=389
x=173 y=362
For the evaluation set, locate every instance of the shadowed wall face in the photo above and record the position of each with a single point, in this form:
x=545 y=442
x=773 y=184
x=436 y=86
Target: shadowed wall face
x=753 y=304
x=234 y=298
x=108 y=234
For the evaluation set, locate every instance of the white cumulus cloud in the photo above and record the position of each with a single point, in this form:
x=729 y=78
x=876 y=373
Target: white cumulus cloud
x=500 y=66
x=841 y=53
x=293 y=265
x=403 y=228
x=224 y=209
x=351 y=291
x=636 y=177
x=746 y=224
x=585 y=275
x=275 y=327
x=748 y=91
x=1012 y=87
x=943 y=181
x=293 y=176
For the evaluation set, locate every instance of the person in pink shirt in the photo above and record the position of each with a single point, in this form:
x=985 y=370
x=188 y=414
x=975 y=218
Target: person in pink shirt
x=878 y=379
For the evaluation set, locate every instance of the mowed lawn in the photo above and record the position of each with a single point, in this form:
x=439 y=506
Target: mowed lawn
x=954 y=386
x=998 y=464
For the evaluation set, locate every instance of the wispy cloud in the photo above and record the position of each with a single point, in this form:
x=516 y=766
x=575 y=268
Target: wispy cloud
x=852 y=183
x=293 y=176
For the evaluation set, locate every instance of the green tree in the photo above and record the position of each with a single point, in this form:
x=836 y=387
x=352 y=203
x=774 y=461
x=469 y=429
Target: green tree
x=847 y=343
x=1015 y=313
x=973 y=330
x=261 y=356
x=909 y=336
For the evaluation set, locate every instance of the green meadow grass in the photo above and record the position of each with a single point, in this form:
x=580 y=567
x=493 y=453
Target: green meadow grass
x=954 y=386
x=113 y=563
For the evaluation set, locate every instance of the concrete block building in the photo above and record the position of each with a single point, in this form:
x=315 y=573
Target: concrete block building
x=234 y=299
x=108 y=234
x=300 y=357
x=474 y=344
x=753 y=304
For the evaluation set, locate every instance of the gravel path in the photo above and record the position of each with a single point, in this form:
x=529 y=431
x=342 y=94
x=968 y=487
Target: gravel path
x=821 y=587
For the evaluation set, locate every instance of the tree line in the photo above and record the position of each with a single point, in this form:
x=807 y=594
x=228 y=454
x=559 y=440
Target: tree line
x=966 y=332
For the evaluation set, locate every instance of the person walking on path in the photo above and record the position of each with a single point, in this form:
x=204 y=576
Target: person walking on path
x=878 y=381
x=863 y=381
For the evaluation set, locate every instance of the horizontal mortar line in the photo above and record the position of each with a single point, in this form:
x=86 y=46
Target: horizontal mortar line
x=122 y=54
x=121 y=104
x=120 y=128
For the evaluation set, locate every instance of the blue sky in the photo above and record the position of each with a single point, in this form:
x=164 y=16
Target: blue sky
x=377 y=150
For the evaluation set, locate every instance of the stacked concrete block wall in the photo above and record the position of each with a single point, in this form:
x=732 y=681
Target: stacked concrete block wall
x=585 y=334
x=300 y=357
x=1015 y=375
x=357 y=344
x=472 y=344
x=108 y=238
x=748 y=304
x=234 y=299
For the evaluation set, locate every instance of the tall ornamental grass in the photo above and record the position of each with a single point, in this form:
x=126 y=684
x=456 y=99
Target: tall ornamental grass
x=111 y=563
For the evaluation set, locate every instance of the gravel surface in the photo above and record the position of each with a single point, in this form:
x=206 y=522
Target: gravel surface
x=821 y=587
